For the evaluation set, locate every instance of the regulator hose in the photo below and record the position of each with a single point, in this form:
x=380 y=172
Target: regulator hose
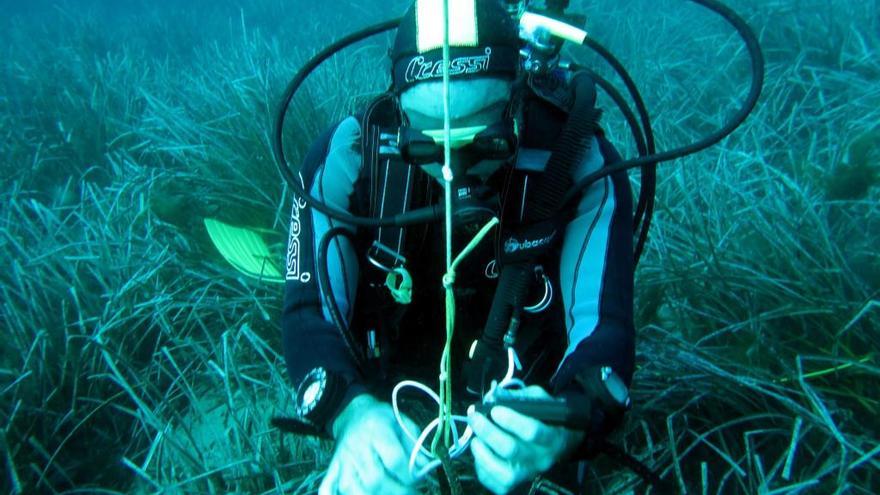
x=429 y=214
x=326 y=291
x=645 y=207
x=757 y=84
x=278 y=134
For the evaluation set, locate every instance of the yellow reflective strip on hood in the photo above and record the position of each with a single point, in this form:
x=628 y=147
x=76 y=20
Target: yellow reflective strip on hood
x=462 y=23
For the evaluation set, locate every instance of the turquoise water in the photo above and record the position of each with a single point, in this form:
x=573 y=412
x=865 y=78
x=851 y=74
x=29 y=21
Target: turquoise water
x=137 y=359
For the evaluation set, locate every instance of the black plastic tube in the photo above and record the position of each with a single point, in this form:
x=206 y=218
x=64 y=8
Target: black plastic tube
x=757 y=65
x=649 y=169
x=644 y=144
x=570 y=149
x=645 y=207
x=277 y=142
x=327 y=293
x=628 y=115
x=729 y=15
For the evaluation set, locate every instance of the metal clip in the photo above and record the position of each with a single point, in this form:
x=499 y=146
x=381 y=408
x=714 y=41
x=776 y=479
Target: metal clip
x=377 y=250
x=545 y=301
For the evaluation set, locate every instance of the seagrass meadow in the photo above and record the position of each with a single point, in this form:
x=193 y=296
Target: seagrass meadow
x=135 y=359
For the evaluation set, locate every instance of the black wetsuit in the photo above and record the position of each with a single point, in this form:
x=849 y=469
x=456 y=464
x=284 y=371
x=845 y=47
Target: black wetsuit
x=589 y=322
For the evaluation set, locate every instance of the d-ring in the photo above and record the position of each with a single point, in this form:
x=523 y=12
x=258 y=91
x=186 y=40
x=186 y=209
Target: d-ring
x=545 y=301
x=491 y=270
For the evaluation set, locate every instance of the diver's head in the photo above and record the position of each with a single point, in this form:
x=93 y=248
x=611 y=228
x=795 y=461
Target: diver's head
x=484 y=62
x=478 y=109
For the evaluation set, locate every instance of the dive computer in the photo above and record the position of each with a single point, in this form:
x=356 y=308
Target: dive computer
x=319 y=396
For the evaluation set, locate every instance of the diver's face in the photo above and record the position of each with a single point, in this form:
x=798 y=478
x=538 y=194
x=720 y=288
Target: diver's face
x=471 y=103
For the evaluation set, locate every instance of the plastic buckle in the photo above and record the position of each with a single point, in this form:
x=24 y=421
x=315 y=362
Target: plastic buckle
x=388 y=144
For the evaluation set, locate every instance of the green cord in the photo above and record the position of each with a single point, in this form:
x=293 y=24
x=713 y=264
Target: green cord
x=444 y=389
x=445 y=420
x=445 y=359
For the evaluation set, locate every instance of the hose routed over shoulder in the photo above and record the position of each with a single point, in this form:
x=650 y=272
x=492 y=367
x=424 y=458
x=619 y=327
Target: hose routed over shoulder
x=757 y=68
x=649 y=160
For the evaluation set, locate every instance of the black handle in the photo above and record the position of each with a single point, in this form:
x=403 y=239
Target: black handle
x=571 y=411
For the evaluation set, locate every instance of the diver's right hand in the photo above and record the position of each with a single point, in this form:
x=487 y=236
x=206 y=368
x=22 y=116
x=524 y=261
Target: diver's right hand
x=372 y=452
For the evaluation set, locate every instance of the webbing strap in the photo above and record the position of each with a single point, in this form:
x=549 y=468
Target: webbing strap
x=391 y=185
x=395 y=196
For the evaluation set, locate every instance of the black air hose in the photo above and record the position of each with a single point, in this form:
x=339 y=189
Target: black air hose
x=278 y=132
x=327 y=294
x=757 y=84
x=628 y=115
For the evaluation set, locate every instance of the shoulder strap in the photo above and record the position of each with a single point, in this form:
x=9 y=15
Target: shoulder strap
x=523 y=244
x=391 y=182
x=568 y=149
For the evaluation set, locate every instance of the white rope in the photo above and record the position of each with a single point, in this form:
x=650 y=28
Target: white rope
x=460 y=443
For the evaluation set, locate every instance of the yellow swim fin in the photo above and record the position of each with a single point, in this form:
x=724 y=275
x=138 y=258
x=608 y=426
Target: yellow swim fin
x=245 y=250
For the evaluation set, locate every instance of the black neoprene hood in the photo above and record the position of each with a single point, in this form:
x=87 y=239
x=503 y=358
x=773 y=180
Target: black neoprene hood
x=492 y=52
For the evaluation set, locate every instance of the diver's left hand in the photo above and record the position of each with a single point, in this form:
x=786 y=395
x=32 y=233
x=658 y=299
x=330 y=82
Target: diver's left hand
x=516 y=448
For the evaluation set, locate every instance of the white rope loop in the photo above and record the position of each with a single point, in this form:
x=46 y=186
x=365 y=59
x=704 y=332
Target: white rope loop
x=460 y=444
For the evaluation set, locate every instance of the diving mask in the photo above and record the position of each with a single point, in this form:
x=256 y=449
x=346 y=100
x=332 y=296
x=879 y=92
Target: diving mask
x=422 y=147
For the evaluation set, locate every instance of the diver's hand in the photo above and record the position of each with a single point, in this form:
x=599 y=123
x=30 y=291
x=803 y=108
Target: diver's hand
x=517 y=448
x=372 y=453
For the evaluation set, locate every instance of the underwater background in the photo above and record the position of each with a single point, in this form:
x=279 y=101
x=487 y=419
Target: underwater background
x=135 y=359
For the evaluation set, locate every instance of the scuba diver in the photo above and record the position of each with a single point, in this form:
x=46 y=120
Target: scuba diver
x=584 y=253
x=516 y=258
